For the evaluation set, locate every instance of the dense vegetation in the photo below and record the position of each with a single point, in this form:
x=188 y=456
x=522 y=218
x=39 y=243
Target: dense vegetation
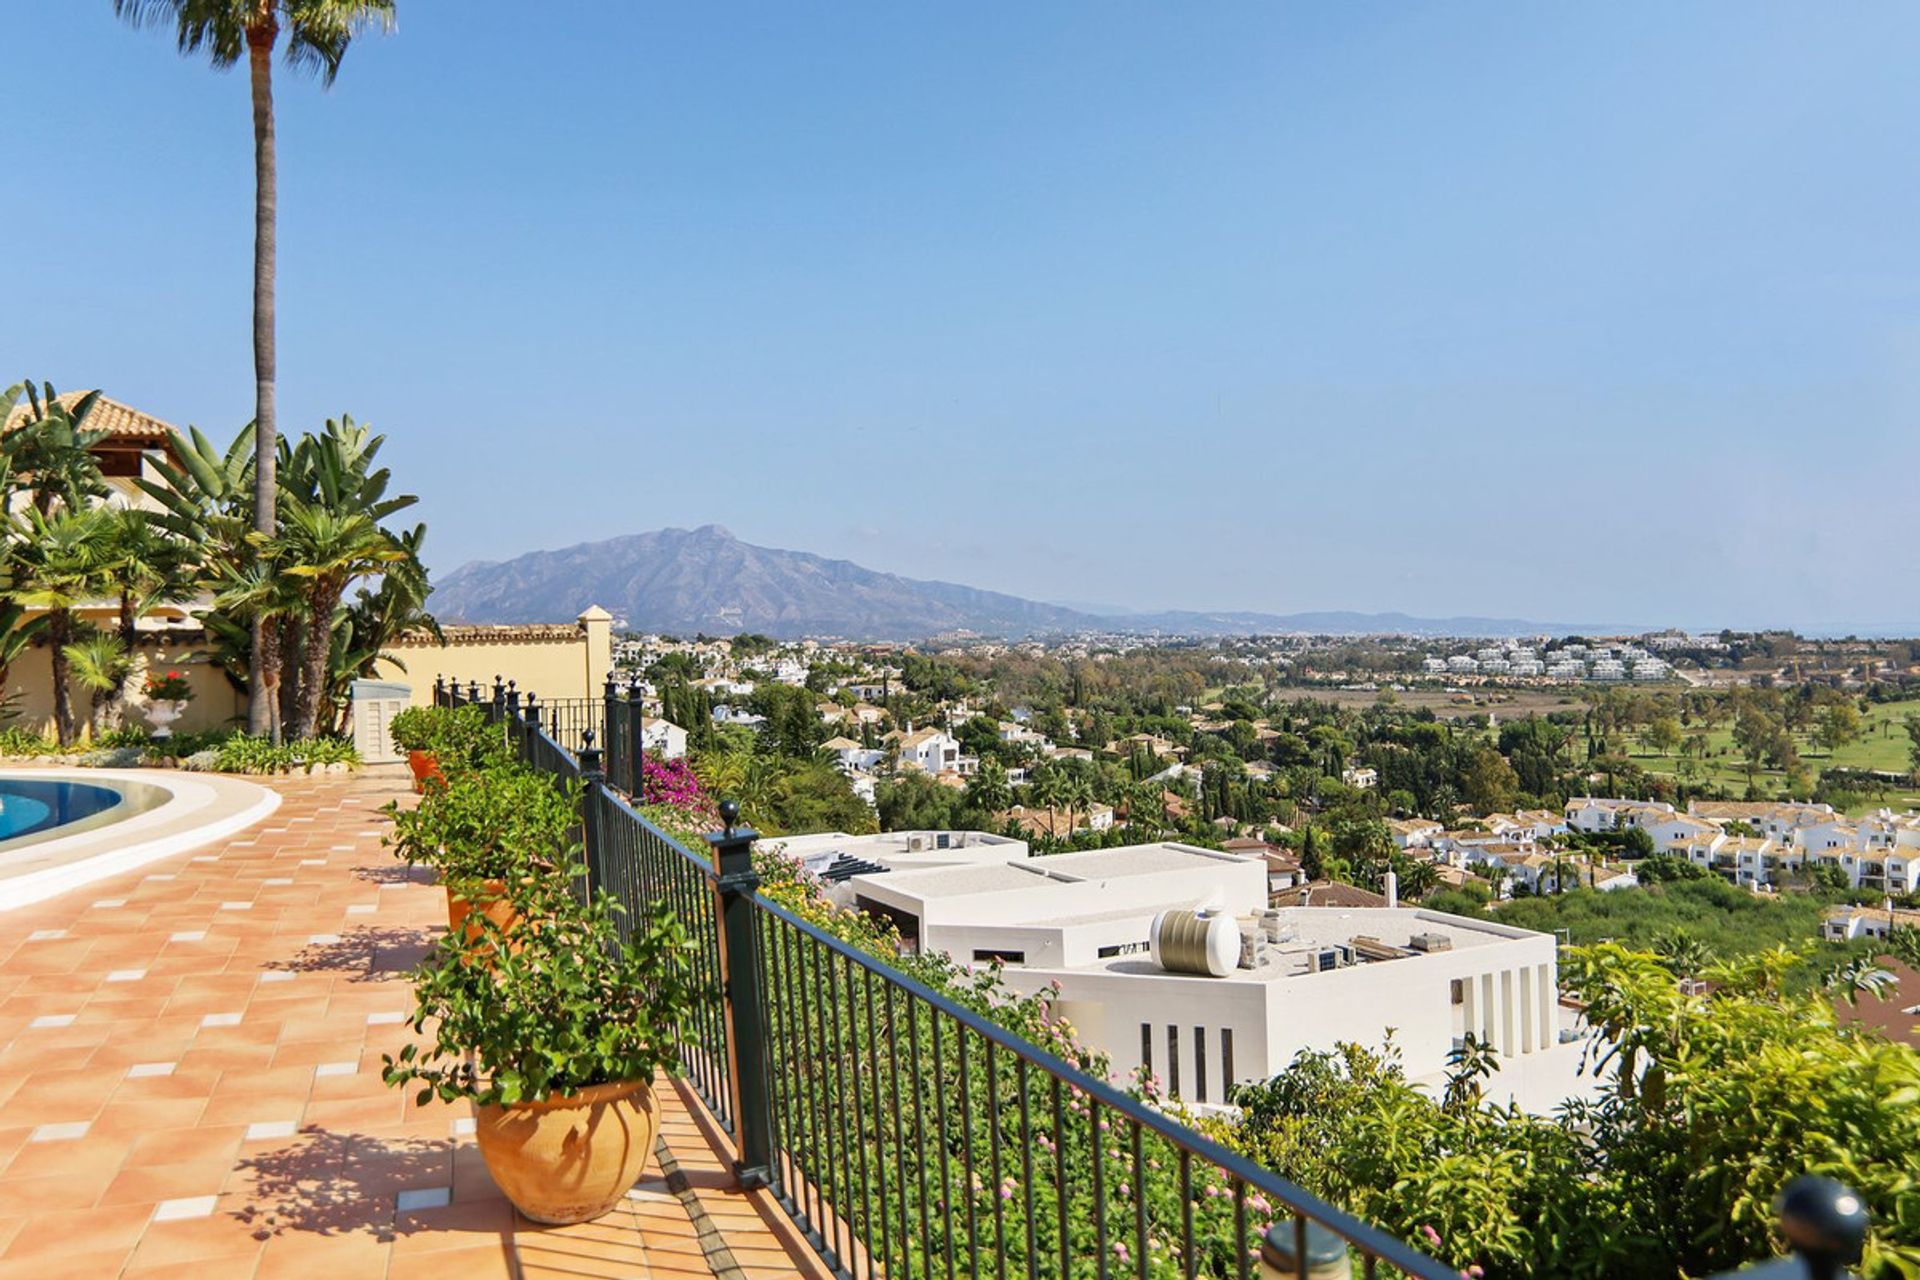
x=65 y=547
x=1718 y=1100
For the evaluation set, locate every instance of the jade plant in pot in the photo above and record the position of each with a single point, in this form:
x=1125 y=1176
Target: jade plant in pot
x=446 y=740
x=495 y=836
x=556 y=1044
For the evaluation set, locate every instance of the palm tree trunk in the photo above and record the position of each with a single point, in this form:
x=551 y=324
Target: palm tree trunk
x=59 y=635
x=127 y=639
x=291 y=641
x=313 y=679
x=263 y=671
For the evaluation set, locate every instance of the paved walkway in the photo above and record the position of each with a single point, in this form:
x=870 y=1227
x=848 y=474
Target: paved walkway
x=190 y=1086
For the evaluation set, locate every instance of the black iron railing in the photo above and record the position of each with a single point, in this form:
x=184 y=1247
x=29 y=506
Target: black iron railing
x=911 y=1136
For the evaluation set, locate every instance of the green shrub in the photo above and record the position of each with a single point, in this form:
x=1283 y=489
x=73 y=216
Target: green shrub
x=458 y=738
x=500 y=823
x=242 y=753
x=129 y=737
x=15 y=741
x=561 y=1008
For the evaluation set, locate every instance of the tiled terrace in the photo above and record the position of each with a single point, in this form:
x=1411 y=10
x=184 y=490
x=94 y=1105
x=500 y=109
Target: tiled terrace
x=190 y=1086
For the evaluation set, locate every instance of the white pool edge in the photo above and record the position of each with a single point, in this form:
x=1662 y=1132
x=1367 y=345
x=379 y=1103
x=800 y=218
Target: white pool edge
x=38 y=886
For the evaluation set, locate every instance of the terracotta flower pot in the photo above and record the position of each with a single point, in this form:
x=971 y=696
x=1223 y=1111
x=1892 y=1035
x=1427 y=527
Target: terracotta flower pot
x=493 y=903
x=425 y=765
x=570 y=1159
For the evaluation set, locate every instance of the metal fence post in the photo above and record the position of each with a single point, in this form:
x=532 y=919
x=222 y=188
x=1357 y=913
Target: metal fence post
x=530 y=728
x=614 y=756
x=440 y=691
x=591 y=775
x=743 y=1000
x=636 y=739
x=498 y=706
x=513 y=702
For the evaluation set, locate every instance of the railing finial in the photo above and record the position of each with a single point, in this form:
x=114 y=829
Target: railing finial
x=1825 y=1221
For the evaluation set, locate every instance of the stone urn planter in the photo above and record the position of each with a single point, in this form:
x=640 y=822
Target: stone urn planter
x=570 y=1159
x=162 y=714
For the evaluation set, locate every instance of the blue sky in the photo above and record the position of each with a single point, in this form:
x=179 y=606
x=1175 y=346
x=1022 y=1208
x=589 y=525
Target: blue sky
x=1567 y=312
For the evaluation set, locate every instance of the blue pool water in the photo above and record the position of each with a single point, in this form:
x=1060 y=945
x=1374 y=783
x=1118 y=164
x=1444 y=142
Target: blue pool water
x=33 y=806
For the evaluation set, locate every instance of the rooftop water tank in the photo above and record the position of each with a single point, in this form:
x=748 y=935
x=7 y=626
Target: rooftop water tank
x=1204 y=943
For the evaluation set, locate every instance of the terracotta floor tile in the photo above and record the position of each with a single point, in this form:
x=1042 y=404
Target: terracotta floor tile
x=217 y=1236
x=484 y=1262
x=321 y=1202
x=90 y=1265
x=137 y=1118
x=51 y=1235
x=91 y=1155
x=233 y=1266
x=186 y=1146
x=34 y=1196
x=323 y=1258
x=150 y=1184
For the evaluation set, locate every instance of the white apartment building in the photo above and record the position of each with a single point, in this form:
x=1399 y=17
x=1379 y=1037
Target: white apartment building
x=1590 y=813
x=1607 y=669
x=1274 y=982
x=1434 y=666
x=1461 y=664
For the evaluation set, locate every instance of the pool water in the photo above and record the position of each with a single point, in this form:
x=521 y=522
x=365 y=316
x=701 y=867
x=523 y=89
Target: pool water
x=33 y=808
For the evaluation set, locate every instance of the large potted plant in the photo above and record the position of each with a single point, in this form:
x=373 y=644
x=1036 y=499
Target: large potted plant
x=445 y=740
x=556 y=1044
x=495 y=835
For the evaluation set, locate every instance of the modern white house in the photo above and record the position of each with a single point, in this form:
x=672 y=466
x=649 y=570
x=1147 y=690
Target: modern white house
x=1262 y=985
x=935 y=751
x=663 y=738
x=835 y=855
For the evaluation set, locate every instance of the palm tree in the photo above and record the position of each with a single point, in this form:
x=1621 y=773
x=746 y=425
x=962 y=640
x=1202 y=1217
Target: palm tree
x=59 y=569
x=326 y=550
x=147 y=567
x=100 y=662
x=48 y=453
x=988 y=791
x=318 y=33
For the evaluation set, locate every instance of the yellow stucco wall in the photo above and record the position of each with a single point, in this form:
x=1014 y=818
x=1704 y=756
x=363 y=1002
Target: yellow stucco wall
x=568 y=660
x=564 y=661
x=215 y=704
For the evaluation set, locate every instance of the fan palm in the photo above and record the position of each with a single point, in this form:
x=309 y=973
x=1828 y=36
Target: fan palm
x=60 y=567
x=48 y=453
x=147 y=566
x=318 y=33
x=326 y=550
x=100 y=662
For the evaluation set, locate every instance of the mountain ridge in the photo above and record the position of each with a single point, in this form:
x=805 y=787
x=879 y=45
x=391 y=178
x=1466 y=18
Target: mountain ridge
x=707 y=580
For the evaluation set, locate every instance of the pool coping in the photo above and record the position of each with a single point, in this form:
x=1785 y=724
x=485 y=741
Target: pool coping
x=101 y=852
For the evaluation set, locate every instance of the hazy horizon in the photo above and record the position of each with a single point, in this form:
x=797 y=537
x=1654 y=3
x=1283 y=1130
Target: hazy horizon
x=1504 y=311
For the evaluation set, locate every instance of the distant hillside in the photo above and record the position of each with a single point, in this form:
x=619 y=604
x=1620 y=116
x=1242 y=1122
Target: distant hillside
x=705 y=579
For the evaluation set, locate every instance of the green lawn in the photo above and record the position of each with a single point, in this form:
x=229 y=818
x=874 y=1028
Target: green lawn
x=1882 y=745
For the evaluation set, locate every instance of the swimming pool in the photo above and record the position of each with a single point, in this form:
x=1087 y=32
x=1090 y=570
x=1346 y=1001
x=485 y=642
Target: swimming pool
x=36 y=809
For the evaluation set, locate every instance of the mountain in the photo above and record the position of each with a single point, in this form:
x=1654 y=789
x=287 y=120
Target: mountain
x=682 y=581
x=705 y=579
